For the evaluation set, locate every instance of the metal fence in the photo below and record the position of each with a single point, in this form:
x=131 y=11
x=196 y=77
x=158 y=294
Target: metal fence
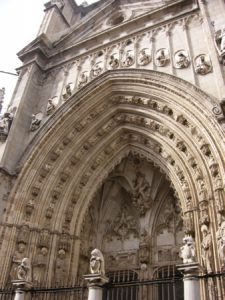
x=126 y=285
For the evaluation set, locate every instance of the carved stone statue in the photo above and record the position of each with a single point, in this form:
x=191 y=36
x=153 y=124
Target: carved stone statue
x=24 y=270
x=114 y=62
x=17 y=258
x=220 y=44
x=51 y=106
x=61 y=268
x=144 y=57
x=202 y=64
x=97 y=262
x=181 y=59
x=162 y=57
x=36 y=121
x=187 y=251
x=220 y=234
x=206 y=248
x=5 y=124
x=39 y=266
x=67 y=91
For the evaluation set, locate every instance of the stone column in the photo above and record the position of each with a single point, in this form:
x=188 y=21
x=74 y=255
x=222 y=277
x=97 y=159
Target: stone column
x=21 y=289
x=95 y=285
x=191 y=280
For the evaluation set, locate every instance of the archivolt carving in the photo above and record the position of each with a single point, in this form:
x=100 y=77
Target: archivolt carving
x=134 y=131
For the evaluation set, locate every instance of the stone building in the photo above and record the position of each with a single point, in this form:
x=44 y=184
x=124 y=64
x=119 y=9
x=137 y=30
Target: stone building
x=114 y=139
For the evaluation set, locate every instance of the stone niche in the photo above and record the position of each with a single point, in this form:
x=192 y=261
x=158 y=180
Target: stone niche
x=134 y=219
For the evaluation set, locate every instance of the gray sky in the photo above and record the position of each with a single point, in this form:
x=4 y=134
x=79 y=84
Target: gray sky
x=19 y=23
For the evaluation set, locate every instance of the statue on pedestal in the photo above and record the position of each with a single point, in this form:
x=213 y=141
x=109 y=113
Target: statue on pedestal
x=187 y=251
x=97 y=262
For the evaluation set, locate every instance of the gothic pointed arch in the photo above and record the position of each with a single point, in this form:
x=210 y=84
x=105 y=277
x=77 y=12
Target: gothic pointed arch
x=148 y=115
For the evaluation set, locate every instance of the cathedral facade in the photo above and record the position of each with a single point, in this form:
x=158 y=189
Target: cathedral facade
x=114 y=139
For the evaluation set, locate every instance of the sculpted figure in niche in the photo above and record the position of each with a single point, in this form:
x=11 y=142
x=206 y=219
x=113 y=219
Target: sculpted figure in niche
x=60 y=268
x=202 y=64
x=187 y=251
x=83 y=79
x=220 y=234
x=181 y=59
x=17 y=258
x=162 y=57
x=129 y=59
x=206 y=248
x=144 y=57
x=97 y=262
x=24 y=270
x=40 y=265
x=114 y=62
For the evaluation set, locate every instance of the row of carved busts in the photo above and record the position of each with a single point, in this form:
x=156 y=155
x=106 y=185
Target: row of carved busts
x=202 y=65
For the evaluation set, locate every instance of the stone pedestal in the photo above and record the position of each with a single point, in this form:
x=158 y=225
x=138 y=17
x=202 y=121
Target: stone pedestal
x=21 y=288
x=95 y=285
x=191 y=281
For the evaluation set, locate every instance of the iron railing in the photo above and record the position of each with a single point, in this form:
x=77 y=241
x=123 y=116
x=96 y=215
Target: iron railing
x=129 y=287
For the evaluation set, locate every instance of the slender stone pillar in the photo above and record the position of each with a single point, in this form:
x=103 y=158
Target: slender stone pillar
x=191 y=281
x=21 y=289
x=95 y=285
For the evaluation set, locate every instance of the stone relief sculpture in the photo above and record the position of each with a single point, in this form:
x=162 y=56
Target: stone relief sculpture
x=24 y=270
x=141 y=193
x=51 y=106
x=96 y=70
x=181 y=59
x=97 y=262
x=162 y=57
x=206 y=248
x=203 y=64
x=36 y=121
x=67 y=91
x=220 y=44
x=129 y=59
x=83 y=80
x=187 y=251
x=114 y=61
x=144 y=57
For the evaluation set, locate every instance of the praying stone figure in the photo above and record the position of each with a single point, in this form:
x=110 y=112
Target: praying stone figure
x=24 y=270
x=187 y=251
x=206 y=248
x=97 y=262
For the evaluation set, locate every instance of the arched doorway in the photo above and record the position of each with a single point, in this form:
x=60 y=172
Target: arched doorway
x=164 y=123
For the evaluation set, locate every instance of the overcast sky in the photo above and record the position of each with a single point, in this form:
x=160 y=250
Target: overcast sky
x=19 y=22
